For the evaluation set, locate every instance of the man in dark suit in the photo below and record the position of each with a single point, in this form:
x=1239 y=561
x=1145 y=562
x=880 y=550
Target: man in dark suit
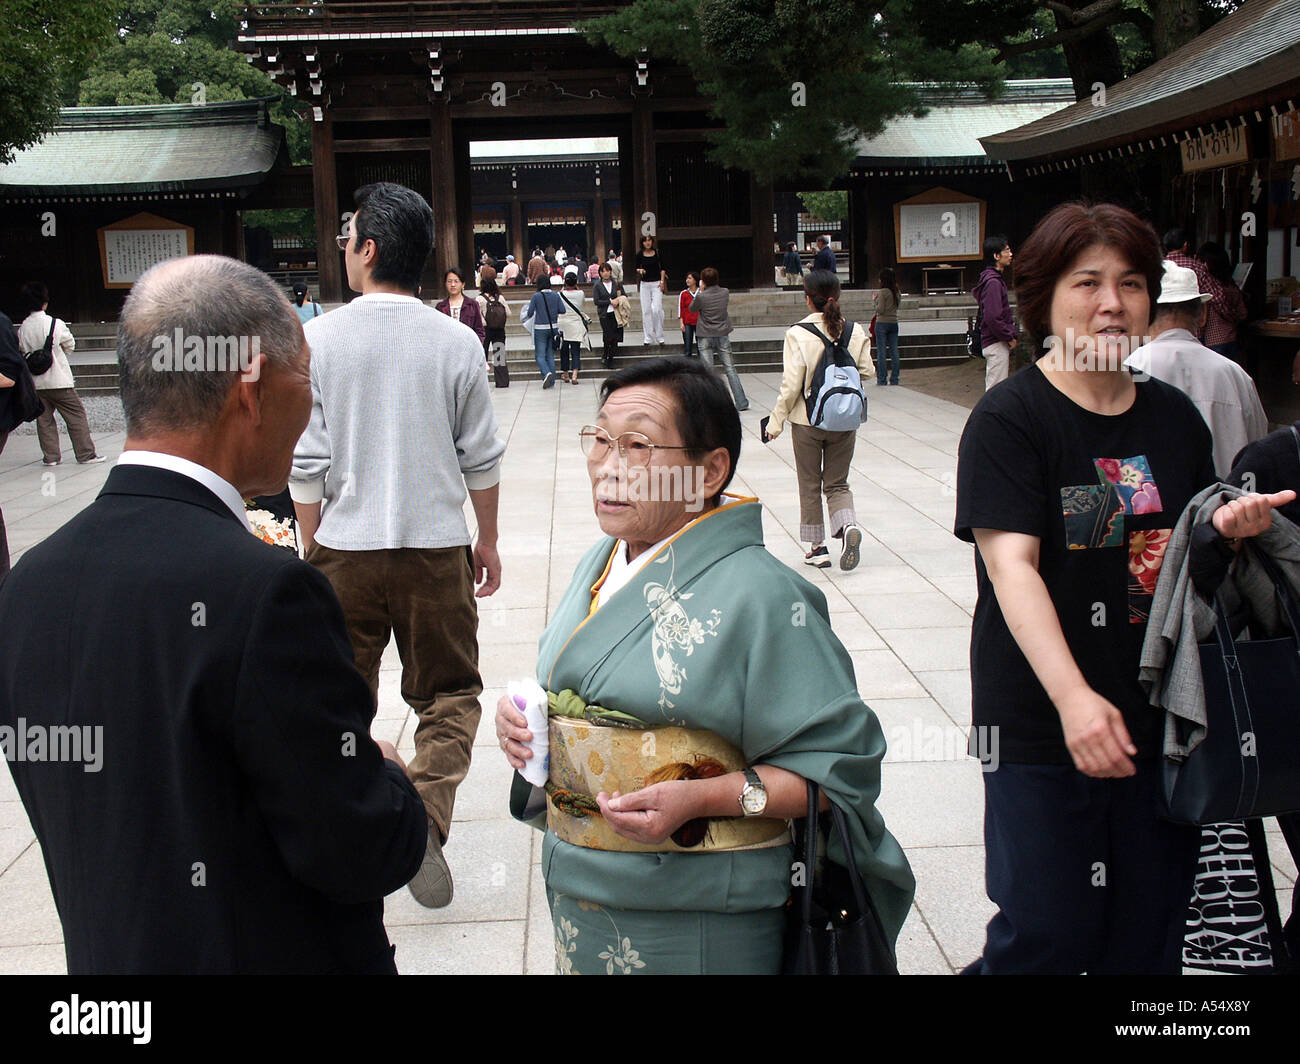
x=186 y=727
x=825 y=257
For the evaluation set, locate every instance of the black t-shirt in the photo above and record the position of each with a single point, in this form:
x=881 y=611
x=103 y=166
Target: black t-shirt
x=652 y=264
x=1101 y=493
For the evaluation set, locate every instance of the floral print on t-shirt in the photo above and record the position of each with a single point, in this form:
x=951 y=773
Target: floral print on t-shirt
x=1094 y=517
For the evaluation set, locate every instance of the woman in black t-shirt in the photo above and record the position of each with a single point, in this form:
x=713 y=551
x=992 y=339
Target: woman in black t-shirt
x=654 y=281
x=1071 y=475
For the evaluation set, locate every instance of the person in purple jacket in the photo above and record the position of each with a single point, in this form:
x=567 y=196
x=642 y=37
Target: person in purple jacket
x=998 y=332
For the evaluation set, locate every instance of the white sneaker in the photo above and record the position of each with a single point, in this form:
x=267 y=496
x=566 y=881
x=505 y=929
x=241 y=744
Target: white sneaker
x=852 y=542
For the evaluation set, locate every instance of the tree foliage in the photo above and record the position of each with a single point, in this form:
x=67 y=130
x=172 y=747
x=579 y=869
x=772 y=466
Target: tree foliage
x=1099 y=40
x=828 y=206
x=796 y=82
x=43 y=43
x=178 y=51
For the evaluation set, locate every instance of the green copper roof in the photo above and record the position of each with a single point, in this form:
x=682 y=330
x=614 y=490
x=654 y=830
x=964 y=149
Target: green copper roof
x=163 y=148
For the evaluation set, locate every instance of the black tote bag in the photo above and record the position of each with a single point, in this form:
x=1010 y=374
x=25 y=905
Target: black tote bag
x=831 y=926
x=1246 y=766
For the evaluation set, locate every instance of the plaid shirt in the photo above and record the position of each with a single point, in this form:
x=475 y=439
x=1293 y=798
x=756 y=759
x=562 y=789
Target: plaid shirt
x=1227 y=309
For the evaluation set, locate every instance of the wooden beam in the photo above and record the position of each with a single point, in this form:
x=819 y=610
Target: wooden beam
x=373 y=144
x=705 y=232
x=325 y=199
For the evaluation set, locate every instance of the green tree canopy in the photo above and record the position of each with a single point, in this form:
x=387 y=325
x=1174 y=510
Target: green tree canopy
x=796 y=82
x=178 y=51
x=43 y=44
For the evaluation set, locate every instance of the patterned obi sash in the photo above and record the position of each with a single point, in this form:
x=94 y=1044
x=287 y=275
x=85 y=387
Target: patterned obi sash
x=588 y=758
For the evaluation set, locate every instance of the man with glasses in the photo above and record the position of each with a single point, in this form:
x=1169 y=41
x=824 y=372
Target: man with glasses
x=401 y=429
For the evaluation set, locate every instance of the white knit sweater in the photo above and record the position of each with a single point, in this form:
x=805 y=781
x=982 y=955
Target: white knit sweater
x=401 y=425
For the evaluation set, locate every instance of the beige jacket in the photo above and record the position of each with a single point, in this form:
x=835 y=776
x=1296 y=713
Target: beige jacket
x=31 y=335
x=803 y=351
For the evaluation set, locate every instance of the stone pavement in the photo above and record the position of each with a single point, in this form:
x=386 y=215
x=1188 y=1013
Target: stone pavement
x=904 y=616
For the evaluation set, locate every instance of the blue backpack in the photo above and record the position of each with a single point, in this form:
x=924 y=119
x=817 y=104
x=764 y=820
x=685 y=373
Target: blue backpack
x=836 y=402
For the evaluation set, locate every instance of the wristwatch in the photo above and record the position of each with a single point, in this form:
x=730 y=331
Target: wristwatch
x=753 y=798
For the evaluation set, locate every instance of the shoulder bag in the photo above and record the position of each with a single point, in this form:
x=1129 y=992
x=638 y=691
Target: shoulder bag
x=1246 y=764
x=831 y=926
x=40 y=360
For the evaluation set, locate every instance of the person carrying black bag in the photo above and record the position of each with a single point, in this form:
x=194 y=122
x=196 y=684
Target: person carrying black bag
x=18 y=403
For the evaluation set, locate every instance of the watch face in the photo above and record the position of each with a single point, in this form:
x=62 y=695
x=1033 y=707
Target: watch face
x=754 y=800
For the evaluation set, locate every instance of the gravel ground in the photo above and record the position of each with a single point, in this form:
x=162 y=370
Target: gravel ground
x=104 y=412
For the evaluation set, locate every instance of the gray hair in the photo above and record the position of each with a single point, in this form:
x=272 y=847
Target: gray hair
x=189 y=330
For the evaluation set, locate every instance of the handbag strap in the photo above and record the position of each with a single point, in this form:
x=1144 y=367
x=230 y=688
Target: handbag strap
x=1281 y=587
x=586 y=322
x=809 y=852
x=1238 y=703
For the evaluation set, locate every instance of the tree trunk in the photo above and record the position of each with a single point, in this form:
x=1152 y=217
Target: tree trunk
x=1092 y=59
x=1173 y=24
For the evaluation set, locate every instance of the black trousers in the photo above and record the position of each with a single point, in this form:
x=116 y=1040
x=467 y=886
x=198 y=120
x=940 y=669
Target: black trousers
x=1085 y=875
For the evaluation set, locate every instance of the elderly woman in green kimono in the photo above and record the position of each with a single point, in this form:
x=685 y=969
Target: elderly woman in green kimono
x=694 y=686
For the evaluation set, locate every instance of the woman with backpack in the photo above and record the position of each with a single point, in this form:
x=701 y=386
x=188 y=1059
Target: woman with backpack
x=496 y=312
x=821 y=456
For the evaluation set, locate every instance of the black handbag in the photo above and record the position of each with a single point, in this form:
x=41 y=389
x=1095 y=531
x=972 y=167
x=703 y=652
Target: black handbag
x=40 y=360
x=557 y=338
x=501 y=374
x=1246 y=765
x=831 y=926
x=22 y=402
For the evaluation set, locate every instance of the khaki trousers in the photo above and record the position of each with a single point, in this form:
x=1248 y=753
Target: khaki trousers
x=425 y=599
x=821 y=462
x=68 y=403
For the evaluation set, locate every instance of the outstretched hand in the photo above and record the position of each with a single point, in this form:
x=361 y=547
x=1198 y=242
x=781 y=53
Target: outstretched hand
x=1250 y=515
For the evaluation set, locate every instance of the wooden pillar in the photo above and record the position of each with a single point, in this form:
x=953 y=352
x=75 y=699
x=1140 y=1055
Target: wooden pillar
x=517 y=231
x=325 y=198
x=468 y=257
x=599 y=242
x=761 y=203
x=645 y=185
x=442 y=172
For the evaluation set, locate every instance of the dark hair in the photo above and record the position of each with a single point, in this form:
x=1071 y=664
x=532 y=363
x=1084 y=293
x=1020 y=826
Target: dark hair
x=654 y=244
x=299 y=293
x=890 y=281
x=33 y=295
x=605 y=267
x=488 y=286
x=689 y=275
x=454 y=270
x=400 y=223
x=709 y=276
x=1064 y=234
x=706 y=414
x=543 y=282
x=1174 y=239
x=791 y=246
x=993 y=245
x=823 y=288
x=1216 y=261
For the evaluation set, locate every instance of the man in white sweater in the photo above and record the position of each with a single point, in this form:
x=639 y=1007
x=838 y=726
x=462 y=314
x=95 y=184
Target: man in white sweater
x=402 y=427
x=1222 y=391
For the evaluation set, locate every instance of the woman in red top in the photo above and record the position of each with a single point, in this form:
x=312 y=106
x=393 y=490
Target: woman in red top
x=688 y=319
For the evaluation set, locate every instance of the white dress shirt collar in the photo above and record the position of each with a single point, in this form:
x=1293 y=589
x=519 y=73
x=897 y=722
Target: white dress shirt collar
x=221 y=488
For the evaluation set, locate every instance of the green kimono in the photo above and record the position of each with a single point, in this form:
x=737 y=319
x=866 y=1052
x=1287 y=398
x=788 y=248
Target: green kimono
x=712 y=633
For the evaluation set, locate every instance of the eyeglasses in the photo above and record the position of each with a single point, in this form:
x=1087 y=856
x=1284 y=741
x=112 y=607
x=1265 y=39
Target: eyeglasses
x=633 y=447
x=342 y=242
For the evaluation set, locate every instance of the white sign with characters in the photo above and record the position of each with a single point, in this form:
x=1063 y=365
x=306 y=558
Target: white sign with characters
x=130 y=252
x=939 y=230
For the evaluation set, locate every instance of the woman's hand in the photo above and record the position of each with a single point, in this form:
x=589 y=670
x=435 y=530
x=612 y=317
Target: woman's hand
x=513 y=733
x=653 y=813
x=1249 y=516
x=1096 y=736
x=773 y=433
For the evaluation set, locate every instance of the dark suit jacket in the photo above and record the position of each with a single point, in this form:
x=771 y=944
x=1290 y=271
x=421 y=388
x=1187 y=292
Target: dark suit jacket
x=824 y=259
x=242 y=819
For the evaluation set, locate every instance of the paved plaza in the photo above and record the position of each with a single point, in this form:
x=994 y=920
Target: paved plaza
x=903 y=614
